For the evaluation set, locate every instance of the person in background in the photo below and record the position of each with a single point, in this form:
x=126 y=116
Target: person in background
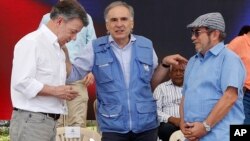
x=123 y=65
x=77 y=108
x=241 y=46
x=38 y=90
x=244 y=30
x=168 y=98
x=213 y=82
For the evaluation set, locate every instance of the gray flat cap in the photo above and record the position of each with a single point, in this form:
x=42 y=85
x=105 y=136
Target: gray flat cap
x=210 y=20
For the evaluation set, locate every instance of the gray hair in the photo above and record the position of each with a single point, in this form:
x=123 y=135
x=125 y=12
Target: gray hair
x=118 y=3
x=69 y=9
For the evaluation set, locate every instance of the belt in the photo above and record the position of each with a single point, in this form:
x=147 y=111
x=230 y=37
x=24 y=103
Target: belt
x=54 y=116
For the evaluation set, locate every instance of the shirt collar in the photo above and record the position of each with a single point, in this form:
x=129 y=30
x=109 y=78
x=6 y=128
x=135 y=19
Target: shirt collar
x=112 y=41
x=214 y=50
x=170 y=82
x=217 y=48
x=50 y=35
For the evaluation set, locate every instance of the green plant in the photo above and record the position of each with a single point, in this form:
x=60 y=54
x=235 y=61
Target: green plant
x=4 y=133
x=4 y=138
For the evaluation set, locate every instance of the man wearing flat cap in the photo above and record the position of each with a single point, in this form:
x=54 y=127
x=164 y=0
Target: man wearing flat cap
x=212 y=102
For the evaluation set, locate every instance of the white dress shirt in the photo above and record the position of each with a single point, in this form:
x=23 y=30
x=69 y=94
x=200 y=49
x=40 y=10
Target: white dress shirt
x=38 y=60
x=168 y=98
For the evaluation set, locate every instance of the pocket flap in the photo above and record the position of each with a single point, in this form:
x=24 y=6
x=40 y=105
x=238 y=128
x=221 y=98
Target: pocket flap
x=145 y=60
x=103 y=61
x=110 y=110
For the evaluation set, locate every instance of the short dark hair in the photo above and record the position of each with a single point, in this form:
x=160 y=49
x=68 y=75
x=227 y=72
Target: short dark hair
x=244 y=30
x=69 y=9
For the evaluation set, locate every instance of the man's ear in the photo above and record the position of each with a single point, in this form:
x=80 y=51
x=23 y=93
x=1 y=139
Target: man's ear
x=107 y=27
x=132 y=24
x=216 y=35
x=59 y=20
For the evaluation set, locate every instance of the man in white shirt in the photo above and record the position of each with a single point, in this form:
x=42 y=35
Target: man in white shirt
x=38 y=90
x=168 y=97
x=77 y=108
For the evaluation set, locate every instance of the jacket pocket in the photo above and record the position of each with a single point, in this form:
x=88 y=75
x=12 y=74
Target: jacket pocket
x=145 y=67
x=147 y=115
x=104 y=70
x=111 y=117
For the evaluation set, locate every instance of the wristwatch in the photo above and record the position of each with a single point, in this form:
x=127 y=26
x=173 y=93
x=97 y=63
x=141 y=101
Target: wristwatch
x=207 y=127
x=164 y=65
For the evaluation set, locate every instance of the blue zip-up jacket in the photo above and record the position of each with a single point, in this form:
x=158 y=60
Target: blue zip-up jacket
x=120 y=109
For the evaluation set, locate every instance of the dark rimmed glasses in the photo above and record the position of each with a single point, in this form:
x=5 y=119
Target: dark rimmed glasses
x=198 y=32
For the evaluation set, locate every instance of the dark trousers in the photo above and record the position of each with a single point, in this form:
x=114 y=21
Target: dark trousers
x=246 y=103
x=150 y=135
x=165 y=130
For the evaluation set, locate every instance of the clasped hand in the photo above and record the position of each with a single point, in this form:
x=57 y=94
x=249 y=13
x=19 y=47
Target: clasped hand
x=193 y=131
x=66 y=92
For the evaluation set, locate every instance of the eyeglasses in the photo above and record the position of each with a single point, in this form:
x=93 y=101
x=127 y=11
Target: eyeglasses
x=198 y=32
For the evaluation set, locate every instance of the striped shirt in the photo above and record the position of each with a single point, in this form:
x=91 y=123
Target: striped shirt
x=168 y=98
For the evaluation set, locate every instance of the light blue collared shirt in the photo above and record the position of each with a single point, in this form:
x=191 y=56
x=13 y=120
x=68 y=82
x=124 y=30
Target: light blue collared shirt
x=205 y=81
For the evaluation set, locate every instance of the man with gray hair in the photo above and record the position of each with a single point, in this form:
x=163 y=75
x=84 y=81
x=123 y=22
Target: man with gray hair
x=123 y=65
x=77 y=108
x=213 y=82
x=38 y=90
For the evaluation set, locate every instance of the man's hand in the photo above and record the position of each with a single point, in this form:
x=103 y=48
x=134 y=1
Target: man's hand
x=66 y=92
x=195 y=131
x=174 y=120
x=161 y=73
x=175 y=59
x=88 y=79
